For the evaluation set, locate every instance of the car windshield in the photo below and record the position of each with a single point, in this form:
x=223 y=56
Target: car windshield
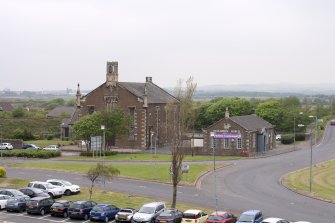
x=14 y=200
x=49 y=186
x=215 y=218
x=57 y=204
x=126 y=211
x=75 y=205
x=147 y=210
x=246 y=218
x=189 y=216
x=66 y=183
x=166 y=214
x=98 y=208
x=17 y=193
x=32 y=203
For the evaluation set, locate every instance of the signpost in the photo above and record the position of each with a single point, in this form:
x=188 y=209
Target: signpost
x=96 y=144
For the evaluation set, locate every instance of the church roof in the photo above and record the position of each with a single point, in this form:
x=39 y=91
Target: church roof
x=156 y=95
x=60 y=110
x=251 y=122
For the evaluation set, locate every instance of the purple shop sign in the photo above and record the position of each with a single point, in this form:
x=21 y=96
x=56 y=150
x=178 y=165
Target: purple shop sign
x=226 y=136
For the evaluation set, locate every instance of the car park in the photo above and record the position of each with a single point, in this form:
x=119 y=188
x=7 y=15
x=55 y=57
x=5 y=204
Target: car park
x=12 y=193
x=274 y=220
x=6 y=146
x=51 y=148
x=170 y=216
x=81 y=209
x=251 y=216
x=194 y=216
x=103 y=212
x=39 y=205
x=3 y=201
x=34 y=192
x=148 y=212
x=125 y=215
x=53 y=191
x=60 y=208
x=221 y=217
x=17 y=204
x=69 y=188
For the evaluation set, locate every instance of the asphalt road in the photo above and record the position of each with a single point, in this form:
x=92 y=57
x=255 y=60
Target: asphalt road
x=248 y=184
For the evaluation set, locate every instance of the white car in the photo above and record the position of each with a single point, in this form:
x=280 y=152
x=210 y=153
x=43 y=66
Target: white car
x=68 y=187
x=274 y=220
x=6 y=146
x=3 y=201
x=148 y=212
x=52 y=190
x=278 y=137
x=51 y=147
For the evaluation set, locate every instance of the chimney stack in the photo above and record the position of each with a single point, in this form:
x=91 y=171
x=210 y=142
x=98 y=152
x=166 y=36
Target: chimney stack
x=226 y=114
x=148 y=79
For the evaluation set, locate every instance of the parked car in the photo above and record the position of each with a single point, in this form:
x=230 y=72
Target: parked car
x=125 y=215
x=53 y=191
x=17 y=204
x=148 y=212
x=51 y=148
x=332 y=122
x=278 y=137
x=103 y=212
x=39 y=205
x=194 y=216
x=301 y=222
x=34 y=192
x=33 y=147
x=12 y=193
x=251 y=216
x=275 y=220
x=3 y=201
x=6 y=146
x=170 y=216
x=81 y=209
x=221 y=217
x=68 y=187
x=25 y=146
x=60 y=208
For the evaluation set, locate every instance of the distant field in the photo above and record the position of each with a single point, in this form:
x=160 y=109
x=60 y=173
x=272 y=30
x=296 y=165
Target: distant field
x=323 y=180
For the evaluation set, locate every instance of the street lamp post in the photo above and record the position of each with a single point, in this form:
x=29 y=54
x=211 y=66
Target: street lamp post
x=311 y=155
x=294 y=121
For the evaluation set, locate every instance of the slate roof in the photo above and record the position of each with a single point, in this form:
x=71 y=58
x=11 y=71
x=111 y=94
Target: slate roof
x=251 y=122
x=156 y=95
x=5 y=106
x=58 y=111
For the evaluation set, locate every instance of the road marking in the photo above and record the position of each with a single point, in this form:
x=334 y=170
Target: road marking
x=142 y=186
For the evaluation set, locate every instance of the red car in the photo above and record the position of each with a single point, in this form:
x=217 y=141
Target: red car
x=221 y=217
x=332 y=122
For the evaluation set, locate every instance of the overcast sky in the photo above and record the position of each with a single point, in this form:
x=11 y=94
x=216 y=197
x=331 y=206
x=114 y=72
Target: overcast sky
x=54 y=44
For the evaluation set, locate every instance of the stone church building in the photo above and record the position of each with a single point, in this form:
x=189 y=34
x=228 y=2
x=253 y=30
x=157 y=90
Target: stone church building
x=146 y=103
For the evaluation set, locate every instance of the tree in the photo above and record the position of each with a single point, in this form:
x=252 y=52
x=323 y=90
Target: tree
x=18 y=112
x=88 y=126
x=116 y=123
x=181 y=120
x=100 y=172
x=271 y=111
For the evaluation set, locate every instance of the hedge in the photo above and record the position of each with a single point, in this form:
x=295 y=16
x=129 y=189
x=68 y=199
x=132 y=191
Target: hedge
x=287 y=139
x=107 y=153
x=31 y=153
x=2 y=171
x=300 y=136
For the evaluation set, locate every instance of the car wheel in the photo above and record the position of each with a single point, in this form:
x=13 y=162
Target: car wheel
x=85 y=216
x=42 y=212
x=28 y=212
x=8 y=210
x=65 y=215
x=21 y=210
x=67 y=192
x=51 y=195
x=52 y=214
x=106 y=219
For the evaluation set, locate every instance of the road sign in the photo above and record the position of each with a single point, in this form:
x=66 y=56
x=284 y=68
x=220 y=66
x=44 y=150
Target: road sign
x=96 y=142
x=226 y=136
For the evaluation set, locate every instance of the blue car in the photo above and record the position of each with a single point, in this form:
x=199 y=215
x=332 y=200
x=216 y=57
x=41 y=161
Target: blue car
x=251 y=216
x=81 y=209
x=103 y=212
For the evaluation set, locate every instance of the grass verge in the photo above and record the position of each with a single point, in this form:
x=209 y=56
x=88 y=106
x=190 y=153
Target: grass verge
x=45 y=143
x=150 y=157
x=99 y=196
x=323 y=181
x=136 y=171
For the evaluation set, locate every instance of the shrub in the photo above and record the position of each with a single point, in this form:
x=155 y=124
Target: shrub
x=50 y=137
x=300 y=136
x=31 y=153
x=107 y=153
x=2 y=171
x=18 y=112
x=287 y=139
